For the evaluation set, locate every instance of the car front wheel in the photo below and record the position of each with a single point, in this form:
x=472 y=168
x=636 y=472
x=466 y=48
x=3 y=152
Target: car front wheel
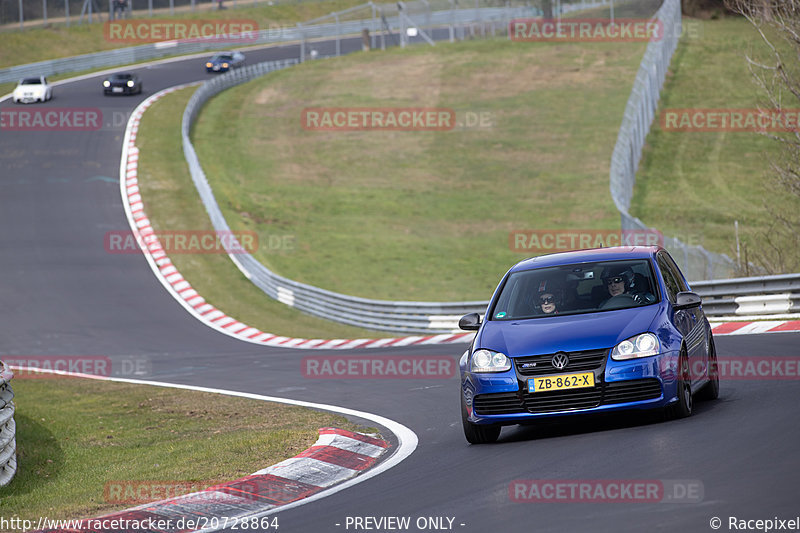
x=710 y=390
x=683 y=407
x=477 y=433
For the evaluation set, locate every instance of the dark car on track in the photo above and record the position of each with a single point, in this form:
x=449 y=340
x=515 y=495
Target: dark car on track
x=224 y=61
x=122 y=83
x=588 y=331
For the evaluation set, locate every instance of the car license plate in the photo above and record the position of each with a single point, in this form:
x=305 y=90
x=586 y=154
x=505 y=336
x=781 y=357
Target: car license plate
x=561 y=382
x=116 y=89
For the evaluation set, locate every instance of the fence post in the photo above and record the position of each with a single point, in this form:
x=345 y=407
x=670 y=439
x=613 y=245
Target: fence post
x=302 y=43
x=338 y=36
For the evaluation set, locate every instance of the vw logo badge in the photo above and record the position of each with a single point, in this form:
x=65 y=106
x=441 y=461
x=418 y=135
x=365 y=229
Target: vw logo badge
x=560 y=360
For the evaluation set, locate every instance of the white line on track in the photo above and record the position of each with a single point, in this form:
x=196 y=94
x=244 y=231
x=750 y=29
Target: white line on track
x=406 y=439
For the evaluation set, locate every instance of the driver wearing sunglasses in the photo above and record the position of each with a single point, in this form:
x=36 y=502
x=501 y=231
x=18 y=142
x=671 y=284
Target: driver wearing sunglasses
x=548 y=298
x=621 y=280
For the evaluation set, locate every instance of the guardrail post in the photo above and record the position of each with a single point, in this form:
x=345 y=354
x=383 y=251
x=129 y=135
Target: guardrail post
x=302 y=43
x=66 y=11
x=338 y=36
x=8 y=445
x=375 y=27
x=403 y=34
x=452 y=21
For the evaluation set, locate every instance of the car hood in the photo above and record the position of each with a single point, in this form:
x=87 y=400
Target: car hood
x=567 y=333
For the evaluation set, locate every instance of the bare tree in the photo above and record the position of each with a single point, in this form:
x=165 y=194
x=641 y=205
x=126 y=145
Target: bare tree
x=776 y=70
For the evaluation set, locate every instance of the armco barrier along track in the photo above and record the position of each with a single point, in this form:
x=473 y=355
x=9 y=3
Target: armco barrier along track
x=405 y=317
x=8 y=428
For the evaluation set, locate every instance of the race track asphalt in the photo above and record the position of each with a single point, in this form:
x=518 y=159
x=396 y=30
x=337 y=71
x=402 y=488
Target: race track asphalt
x=63 y=294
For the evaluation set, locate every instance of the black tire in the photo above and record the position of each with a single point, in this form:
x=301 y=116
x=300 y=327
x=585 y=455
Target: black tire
x=477 y=433
x=710 y=390
x=683 y=407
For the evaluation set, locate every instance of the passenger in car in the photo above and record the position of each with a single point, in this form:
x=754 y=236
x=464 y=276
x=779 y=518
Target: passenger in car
x=549 y=297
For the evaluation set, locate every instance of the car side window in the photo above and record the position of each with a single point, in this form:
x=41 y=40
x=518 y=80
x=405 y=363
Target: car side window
x=676 y=272
x=673 y=288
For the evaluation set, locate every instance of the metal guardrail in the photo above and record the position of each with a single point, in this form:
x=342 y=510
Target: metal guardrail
x=406 y=317
x=696 y=261
x=767 y=295
x=125 y=56
x=403 y=317
x=8 y=428
x=410 y=317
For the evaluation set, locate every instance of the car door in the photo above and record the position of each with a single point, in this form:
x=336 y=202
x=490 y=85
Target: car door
x=690 y=322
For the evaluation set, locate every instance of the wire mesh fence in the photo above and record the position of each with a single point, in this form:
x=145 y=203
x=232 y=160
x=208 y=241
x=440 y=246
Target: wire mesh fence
x=19 y=14
x=697 y=262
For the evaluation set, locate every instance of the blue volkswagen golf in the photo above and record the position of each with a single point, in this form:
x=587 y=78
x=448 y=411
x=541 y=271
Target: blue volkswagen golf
x=586 y=332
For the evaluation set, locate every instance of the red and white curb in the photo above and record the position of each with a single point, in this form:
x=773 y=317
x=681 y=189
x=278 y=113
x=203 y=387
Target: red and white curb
x=338 y=455
x=338 y=460
x=182 y=291
x=753 y=327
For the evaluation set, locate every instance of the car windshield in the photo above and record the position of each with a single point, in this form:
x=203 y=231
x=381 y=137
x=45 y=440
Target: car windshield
x=31 y=81
x=576 y=289
x=223 y=57
x=121 y=77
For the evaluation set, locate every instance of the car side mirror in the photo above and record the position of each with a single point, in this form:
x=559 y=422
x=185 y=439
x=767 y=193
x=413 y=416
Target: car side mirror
x=470 y=322
x=687 y=300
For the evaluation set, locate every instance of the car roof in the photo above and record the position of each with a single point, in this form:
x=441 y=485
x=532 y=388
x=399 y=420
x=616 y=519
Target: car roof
x=587 y=256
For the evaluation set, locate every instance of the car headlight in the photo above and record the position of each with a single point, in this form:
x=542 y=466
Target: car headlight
x=130 y=83
x=489 y=361
x=224 y=65
x=209 y=64
x=106 y=83
x=643 y=345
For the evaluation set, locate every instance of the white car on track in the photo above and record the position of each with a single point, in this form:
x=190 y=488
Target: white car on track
x=34 y=89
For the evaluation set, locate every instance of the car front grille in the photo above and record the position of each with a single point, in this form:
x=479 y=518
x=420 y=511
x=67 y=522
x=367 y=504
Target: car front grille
x=503 y=403
x=538 y=365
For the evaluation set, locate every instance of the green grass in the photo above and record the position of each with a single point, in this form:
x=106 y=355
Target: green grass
x=421 y=215
x=695 y=185
x=172 y=203
x=74 y=436
x=38 y=44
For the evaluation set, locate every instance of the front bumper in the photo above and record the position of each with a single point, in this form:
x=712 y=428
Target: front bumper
x=504 y=399
x=28 y=98
x=120 y=89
